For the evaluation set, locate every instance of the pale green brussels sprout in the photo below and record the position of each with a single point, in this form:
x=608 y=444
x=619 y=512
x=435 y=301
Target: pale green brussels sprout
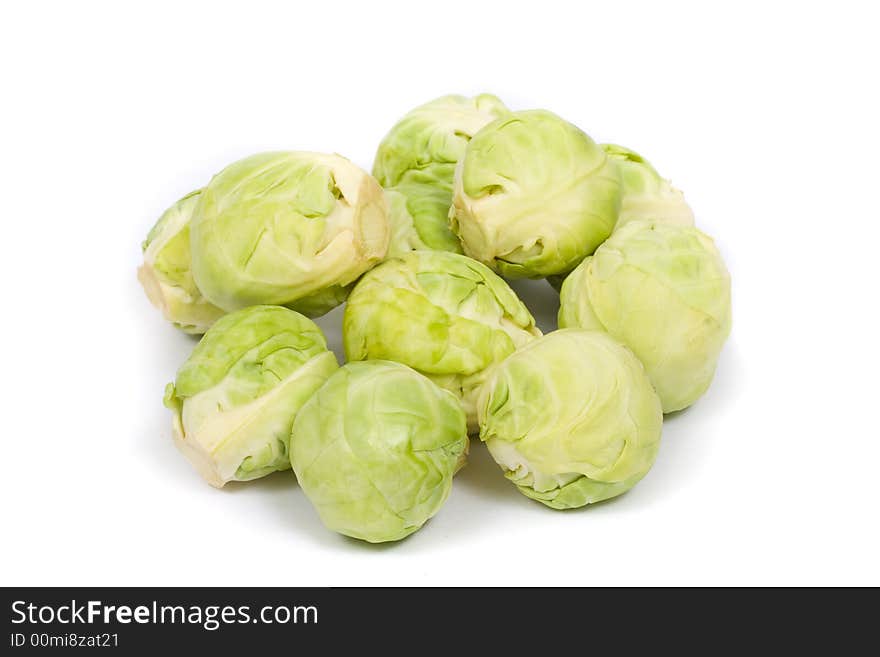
x=417 y=159
x=571 y=418
x=235 y=398
x=287 y=228
x=404 y=236
x=645 y=193
x=664 y=292
x=443 y=314
x=166 y=274
x=533 y=195
x=375 y=450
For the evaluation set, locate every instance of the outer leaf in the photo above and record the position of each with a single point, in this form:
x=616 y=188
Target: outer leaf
x=663 y=291
x=166 y=274
x=277 y=228
x=376 y=448
x=443 y=314
x=235 y=398
x=645 y=194
x=571 y=418
x=533 y=195
x=417 y=159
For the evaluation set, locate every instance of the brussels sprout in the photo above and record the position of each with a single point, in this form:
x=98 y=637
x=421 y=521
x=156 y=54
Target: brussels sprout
x=404 y=236
x=571 y=418
x=417 y=159
x=645 y=194
x=533 y=195
x=166 y=274
x=375 y=450
x=287 y=228
x=235 y=398
x=664 y=292
x=443 y=314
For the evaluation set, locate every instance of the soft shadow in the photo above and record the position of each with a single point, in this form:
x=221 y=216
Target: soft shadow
x=489 y=481
x=541 y=300
x=280 y=496
x=622 y=500
x=672 y=417
x=281 y=492
x=692 y=434
x=283 y=480
x=331 y=325
x=387 y=546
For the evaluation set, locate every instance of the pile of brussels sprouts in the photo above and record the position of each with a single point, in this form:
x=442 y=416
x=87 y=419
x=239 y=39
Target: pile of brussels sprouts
x=463 y=193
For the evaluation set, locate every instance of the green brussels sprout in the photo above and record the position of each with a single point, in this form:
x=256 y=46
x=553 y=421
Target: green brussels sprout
x=417 y=159
x=645 y=194
x=404 y=236
x=571 y=418
x=287 y=228
x=664 y=292
x=375 y=450
x=443 y=314
x=533 y=195
x=166 y=274
x=235 y=398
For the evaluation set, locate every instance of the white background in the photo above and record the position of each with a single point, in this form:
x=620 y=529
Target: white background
x=766 y=114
